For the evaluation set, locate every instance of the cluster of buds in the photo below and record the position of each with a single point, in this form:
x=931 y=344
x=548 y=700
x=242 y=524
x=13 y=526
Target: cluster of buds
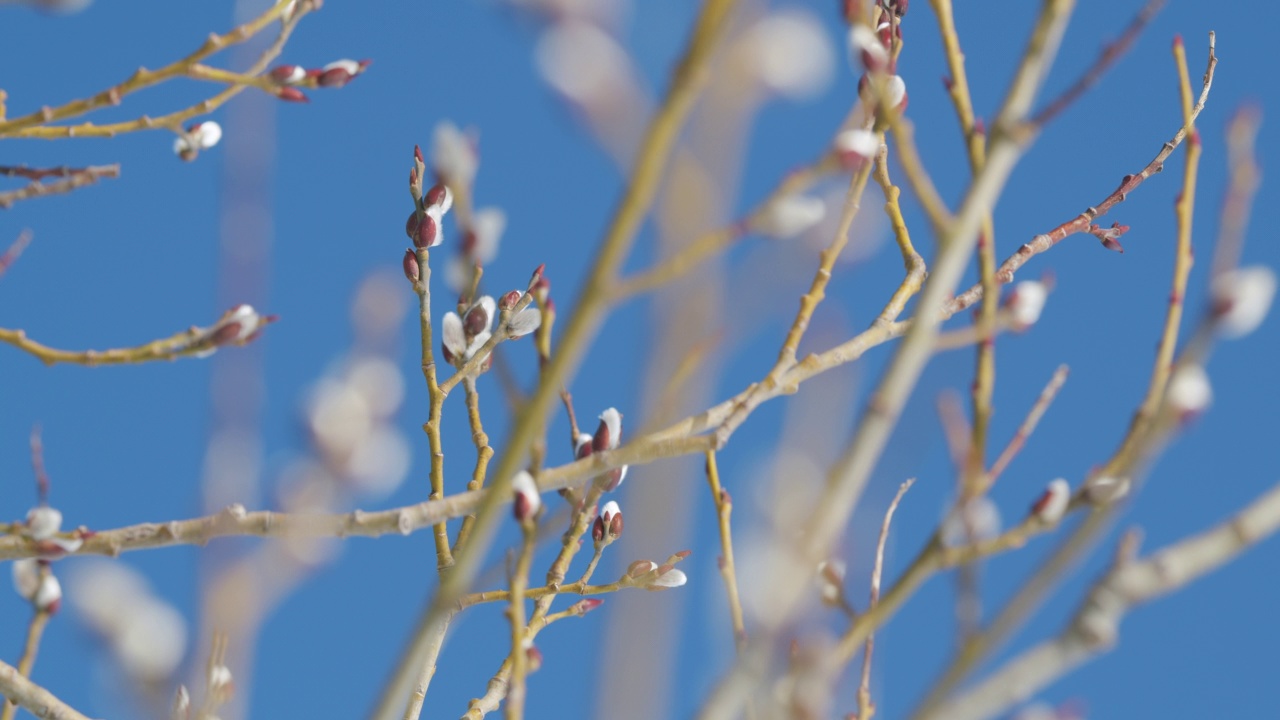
x=608 y=436
x=468 y=330
x=652 y=576
x=238 y=326
x=872 y=48
x=197 y=137
x=424 y=225
x=35 y=582
x=608 y=525
x=1052 y=503
x=1241 y=299
x=336 y=74
x=527 y=499
x=465 y=334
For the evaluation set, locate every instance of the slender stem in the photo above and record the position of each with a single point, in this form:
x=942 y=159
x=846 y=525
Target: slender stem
x=435 y=400
x=865 y=707
x=1029 y=423
x=516 y=611
x=38 y=701
x=73 y=179
x=29 y=649
x=724 y=507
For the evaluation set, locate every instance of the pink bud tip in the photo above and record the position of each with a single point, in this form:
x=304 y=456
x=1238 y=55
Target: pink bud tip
x=417 y=154
x=590 y=604
x=509 y=300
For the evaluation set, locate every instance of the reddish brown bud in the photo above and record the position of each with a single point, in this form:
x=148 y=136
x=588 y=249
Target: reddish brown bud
x=615 y=525
x=600 y=441
x=427 y=234
x=225 y=334
x=417 y=154
x=436 y=195
x=287 y=74
x=292 y=94
x=535 y=658
x=411 y=266
x=586 y=605
x=510 y=300
x=476 y=320
x=640 y=568
x=334 y=77
x=598 y=529
x=411 y=225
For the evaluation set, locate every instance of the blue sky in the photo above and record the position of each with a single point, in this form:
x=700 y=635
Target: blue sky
x=137 y=258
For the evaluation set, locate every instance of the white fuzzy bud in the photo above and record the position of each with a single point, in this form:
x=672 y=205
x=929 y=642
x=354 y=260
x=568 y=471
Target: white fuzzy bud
x=672 y=578
x=978 y=520
x=1027 y=302
x=863 y=143
x=790 y=216
x=1189 y=390
x=791 y=54
x=1242 y=298
x=26 y=577
x=527 y=499
x=43 y=522
x=1053 y=502
x=524 y=322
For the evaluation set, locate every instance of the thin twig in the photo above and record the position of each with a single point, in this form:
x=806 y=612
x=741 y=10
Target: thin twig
x=11 y=255
x=1095 y=627
x=1111 y=53
x=29 y=649
x=1028 y=425
x=37 y=125
x=35 y=699
x=73 y=179
x=724 y=506
x=1084 y=221
x=865 y=707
